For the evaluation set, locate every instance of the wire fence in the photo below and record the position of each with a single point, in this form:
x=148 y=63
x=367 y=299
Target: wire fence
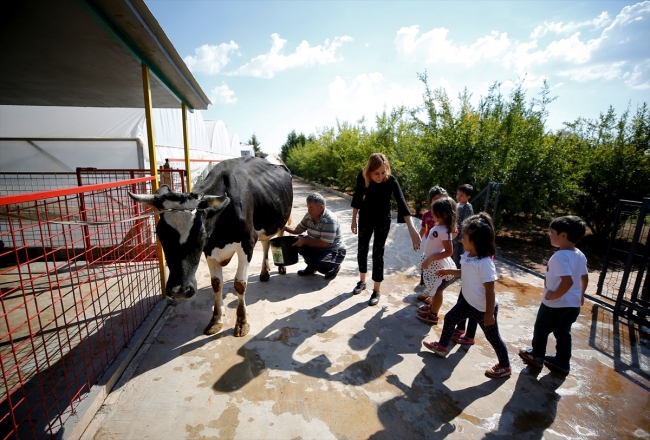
x=623 y=279
x=71 y=297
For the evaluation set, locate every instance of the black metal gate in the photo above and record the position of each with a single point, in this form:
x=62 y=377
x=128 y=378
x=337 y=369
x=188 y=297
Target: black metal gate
x=624 y=282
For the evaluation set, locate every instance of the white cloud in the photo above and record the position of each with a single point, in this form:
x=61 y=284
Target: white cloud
x=210 y=59
x=639 y=78
x=223 y=94
x=433 y=46
x=268 y=64
x=614 y=49
x=571 y=27
x=366 y=95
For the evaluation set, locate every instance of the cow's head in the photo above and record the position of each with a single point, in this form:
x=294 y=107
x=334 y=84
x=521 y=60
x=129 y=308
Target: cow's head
x=182 y=233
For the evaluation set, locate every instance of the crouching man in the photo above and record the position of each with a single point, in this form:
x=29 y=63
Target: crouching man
x=322 y=247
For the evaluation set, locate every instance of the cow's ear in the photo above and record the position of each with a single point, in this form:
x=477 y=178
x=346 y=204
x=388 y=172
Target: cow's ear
x=212 y=201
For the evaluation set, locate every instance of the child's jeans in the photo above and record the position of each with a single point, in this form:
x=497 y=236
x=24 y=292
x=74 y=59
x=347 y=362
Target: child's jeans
x=463 y=310
x=557 y=321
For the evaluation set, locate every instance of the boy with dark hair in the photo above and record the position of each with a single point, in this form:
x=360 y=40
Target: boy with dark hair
x=464 y=210
x=564 y=293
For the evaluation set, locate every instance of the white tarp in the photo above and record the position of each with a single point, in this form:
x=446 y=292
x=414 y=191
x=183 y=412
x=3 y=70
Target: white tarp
x=63 y=138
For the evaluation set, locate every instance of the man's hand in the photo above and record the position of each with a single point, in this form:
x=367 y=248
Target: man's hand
x=301 y=241
x=488 y=320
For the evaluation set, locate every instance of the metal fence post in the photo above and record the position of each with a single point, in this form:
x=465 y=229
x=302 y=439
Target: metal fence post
x=608 y=253
x=630 y=260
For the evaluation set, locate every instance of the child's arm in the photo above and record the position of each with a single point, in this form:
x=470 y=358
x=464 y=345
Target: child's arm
x=448 y=252
x=584 y=281
x=423 y=230
x=488 y=319
x=443 y=272
x=565 y=285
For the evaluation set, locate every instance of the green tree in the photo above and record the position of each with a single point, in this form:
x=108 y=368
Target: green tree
x=257 y=151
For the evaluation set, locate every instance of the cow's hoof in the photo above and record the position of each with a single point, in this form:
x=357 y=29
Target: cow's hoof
x=213 y=328
x=282 y=270
x=242 y=329
x=264 y=277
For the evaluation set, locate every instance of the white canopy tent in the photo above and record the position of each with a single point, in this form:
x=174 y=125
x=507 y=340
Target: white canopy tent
x=44 y=139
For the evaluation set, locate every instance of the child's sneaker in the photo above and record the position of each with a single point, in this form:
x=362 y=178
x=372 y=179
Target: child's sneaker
x=436 y=348
x=553 y=364
x=527 y=356
x=498 y=371
x=462 y=340
x=428 y=317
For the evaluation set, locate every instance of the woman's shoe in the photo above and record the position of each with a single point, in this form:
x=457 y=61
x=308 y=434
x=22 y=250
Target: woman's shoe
x=361 y=286
x=374 y=298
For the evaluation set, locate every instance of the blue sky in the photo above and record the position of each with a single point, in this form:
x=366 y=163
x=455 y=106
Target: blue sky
x=272 y=67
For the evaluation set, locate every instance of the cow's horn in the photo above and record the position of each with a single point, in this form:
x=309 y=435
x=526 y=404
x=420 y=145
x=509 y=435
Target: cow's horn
x=147 y=199
x=212 y=201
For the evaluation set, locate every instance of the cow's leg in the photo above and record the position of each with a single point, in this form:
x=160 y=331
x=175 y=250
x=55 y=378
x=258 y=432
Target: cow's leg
x=241 y=327
x=266 y=269
x=216 y=278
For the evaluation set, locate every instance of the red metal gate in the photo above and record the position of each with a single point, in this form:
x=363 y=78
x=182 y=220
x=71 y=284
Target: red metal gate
x=71 y=297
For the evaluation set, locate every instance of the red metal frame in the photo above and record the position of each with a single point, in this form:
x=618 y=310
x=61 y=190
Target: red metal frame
x=71 y=297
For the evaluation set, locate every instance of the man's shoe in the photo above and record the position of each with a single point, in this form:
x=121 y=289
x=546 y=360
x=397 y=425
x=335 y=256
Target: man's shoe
x=374 y=298
x=527 y=356
x=307 y=271
x=331 y=275
x=552 y=364
x=361 y=286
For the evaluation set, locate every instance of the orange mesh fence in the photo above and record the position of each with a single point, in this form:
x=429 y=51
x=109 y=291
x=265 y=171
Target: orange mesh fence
x=71 y=296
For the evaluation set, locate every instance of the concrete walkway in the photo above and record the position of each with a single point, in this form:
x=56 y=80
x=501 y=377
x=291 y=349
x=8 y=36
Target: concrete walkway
x=319 y=363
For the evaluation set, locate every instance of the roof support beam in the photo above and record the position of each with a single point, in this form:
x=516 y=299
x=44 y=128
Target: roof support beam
x=186 y=145
x=148 y=110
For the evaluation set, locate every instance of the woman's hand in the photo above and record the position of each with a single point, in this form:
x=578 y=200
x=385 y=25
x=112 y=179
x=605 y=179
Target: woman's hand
x=415 y=238
x=354 y=226
x=488 y=319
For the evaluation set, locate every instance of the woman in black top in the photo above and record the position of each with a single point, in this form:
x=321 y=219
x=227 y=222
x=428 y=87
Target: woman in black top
x=371 y=200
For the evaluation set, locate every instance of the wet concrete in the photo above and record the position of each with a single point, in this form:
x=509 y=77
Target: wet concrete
x=319 y=363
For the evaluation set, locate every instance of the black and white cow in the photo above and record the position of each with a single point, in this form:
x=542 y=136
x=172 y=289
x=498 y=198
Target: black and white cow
x=240 y=201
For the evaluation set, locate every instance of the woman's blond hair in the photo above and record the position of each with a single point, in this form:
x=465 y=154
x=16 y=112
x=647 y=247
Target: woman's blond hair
x=375 y=161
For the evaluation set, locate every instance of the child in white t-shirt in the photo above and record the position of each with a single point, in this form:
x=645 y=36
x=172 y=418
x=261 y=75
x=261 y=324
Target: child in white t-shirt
x=564 y=293
x=437 y=255
x=478 y=275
